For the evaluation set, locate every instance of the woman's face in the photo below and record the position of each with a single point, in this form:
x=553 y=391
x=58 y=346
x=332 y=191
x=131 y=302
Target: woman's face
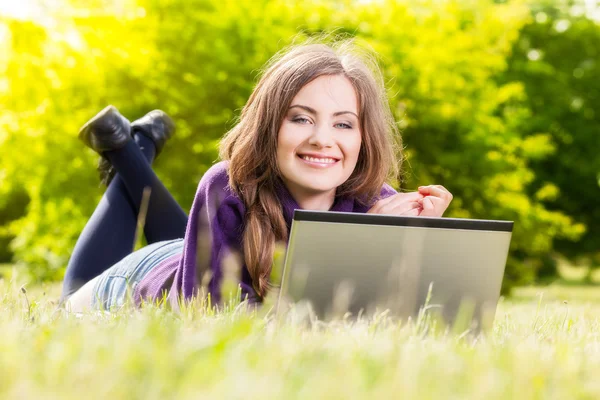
x=319 y=139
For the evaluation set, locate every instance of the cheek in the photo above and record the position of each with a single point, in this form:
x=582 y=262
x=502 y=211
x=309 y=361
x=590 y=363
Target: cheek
x=282 y=139
x=286 y=144
x=351 y=147
x=289 y=139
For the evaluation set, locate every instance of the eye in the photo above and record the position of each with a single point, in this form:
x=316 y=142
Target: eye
x=301 y=120
x=343 y=125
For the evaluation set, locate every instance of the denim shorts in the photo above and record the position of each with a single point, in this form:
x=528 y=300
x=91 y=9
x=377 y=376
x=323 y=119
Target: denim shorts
x=115 y=285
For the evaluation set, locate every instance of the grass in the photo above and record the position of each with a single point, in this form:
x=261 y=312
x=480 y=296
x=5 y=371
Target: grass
x=540 y=347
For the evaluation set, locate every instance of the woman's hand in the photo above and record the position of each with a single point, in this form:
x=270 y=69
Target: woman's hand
x=429 y=201
x=436 y=199
x=399 y=204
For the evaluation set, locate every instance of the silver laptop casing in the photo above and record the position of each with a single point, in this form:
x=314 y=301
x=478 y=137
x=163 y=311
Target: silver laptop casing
x=366 y=263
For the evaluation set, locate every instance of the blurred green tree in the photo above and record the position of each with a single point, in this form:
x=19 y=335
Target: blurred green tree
x=556 y=61
x=198 y=60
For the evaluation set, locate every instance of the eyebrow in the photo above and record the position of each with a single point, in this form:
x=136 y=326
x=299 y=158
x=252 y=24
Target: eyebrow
x=313 y=111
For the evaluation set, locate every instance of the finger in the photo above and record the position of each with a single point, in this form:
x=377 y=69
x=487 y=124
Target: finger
x=412 y=213
x=433 y=206
x=436 y=190
x=397 y=209
x=403 y=198
x=376 y=209
x=428 y=204
x=437 y=186
x=412 y=195
x=400 y=204
x=427 y=187
x=379 y=204
x=402 y=208
x=383 y=206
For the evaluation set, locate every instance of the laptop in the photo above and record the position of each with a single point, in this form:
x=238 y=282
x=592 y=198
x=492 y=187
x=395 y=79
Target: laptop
x=367 y=263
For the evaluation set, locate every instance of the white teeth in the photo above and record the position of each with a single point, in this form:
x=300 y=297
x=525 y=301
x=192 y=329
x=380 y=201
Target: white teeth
x=319 y=160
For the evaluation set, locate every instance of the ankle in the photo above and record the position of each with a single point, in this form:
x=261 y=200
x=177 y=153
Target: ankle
x=146 y=145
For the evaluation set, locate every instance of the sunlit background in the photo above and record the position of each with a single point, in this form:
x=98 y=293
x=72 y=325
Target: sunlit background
x=497 y=100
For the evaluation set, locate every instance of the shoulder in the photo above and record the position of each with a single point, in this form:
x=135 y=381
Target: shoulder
x=216 y=176
x=216 y=197
x=215 y=183
x=214 y=190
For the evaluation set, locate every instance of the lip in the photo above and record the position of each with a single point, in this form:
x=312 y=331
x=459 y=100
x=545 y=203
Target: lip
x=318 y=155
x=318 y=164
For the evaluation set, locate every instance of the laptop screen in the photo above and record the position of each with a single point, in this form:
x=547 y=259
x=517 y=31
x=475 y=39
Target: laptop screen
x=366 y=263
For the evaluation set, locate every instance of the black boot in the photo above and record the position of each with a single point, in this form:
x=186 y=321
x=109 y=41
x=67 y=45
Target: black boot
x=106 y=131
x=156 y=125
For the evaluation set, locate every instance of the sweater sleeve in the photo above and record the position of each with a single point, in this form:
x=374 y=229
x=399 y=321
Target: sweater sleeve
x=386 y=191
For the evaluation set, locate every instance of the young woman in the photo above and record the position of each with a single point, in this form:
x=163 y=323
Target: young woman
x=317 y=133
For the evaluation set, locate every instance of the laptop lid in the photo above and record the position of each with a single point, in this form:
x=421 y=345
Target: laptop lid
x=366 y=263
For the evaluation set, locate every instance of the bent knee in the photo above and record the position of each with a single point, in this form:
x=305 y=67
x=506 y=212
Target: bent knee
x=81 y=300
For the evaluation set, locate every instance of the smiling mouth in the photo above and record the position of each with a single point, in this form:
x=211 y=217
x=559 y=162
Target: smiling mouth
x=318 y=160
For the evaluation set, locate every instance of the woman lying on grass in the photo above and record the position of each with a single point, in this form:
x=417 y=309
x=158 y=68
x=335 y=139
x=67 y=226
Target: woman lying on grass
x=317 y=133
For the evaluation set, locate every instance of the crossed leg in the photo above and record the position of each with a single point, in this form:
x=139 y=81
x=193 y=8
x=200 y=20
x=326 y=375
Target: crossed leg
x=109 y=233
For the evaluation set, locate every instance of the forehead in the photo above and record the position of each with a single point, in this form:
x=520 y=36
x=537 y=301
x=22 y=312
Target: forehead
x=328 y=93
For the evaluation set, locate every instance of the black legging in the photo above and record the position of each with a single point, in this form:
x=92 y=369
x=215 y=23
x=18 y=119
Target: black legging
x=109 y=234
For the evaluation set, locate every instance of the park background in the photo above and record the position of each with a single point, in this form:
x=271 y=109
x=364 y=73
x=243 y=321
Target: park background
x=499 y=101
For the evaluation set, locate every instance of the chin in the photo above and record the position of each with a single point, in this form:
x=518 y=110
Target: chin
x=312 y=181
x=318 y=187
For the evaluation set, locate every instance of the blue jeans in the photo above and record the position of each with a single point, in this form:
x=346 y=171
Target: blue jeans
x=116 y=285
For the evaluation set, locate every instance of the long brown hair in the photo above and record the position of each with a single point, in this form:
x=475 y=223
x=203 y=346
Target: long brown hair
x=251 y=146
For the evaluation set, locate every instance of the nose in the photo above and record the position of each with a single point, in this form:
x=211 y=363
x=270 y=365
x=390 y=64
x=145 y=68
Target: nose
x=322 y=136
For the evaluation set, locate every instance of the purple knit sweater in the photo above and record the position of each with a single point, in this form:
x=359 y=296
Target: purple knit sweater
x=214 y=231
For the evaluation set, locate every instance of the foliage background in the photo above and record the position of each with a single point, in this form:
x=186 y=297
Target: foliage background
x=498 y=101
